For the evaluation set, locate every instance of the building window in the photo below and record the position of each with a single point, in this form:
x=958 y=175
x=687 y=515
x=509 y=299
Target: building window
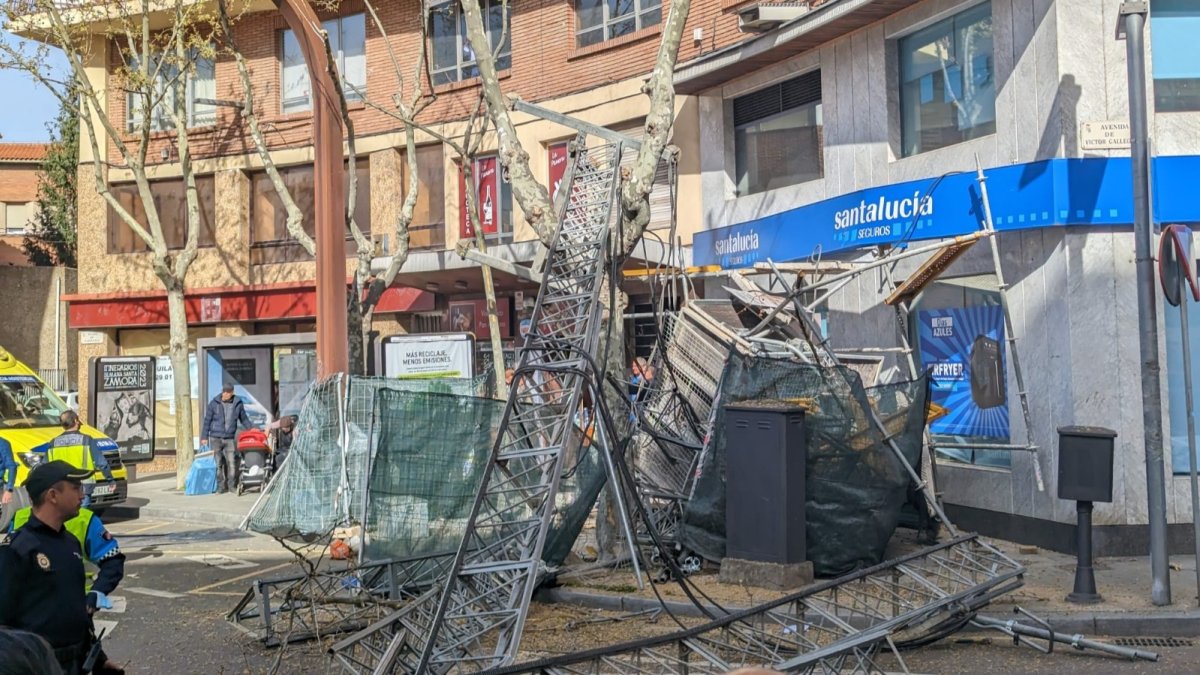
x=170 y=202
x=958 y=330
x=947 y=82
x=199 y=87
x=1174 y=25
x=600 y=20
x=494 y=199
x=269 y=237
x=428 y=227
x=16 y=218
x=453 y=57
x=348 y=42
x=778 y=135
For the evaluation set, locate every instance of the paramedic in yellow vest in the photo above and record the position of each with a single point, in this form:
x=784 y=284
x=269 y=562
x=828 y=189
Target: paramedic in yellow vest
x=78 y=449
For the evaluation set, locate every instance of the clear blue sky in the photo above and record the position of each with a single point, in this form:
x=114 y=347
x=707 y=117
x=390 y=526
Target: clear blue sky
x=26 y=105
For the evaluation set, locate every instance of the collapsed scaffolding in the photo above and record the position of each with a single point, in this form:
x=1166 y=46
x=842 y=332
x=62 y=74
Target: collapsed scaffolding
x=455 y=537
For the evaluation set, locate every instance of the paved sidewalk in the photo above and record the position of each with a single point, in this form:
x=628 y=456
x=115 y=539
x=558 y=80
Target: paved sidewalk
x=155 y=496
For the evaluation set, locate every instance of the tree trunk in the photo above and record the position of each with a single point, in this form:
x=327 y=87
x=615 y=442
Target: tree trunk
x=610 y=540
x=356 y=330
x=489 y=287
x=178 y=347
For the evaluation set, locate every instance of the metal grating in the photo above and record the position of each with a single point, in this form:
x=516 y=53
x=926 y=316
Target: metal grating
x=473 y=618
x=1151 y=642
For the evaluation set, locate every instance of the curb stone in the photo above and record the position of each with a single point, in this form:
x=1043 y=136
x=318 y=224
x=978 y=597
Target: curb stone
x=229 y=520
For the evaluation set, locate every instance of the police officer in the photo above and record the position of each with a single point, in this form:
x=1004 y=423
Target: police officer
x=95 y=543
x=41 y=568
x=78 y=449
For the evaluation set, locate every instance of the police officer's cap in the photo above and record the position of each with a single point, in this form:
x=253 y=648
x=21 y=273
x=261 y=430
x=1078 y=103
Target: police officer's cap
x=45 y=475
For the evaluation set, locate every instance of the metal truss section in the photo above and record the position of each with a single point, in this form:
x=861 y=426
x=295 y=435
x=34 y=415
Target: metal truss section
x=302 y=607
x=473 y=618
x=840 y=624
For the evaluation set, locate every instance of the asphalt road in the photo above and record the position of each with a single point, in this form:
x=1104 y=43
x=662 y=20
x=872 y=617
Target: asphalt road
x=182 y=579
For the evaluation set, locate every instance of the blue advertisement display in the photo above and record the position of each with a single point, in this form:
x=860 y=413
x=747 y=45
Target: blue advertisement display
x=1092 y=191
x=963 y=349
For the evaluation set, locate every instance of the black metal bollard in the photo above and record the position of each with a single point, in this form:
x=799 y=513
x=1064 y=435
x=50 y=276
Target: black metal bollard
x=1085 y=574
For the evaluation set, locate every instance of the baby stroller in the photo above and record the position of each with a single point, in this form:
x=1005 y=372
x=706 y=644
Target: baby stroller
x=257 y=462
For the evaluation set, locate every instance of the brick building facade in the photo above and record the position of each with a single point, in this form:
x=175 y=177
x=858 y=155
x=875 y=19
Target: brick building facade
x=247 y=261
x=19 y=167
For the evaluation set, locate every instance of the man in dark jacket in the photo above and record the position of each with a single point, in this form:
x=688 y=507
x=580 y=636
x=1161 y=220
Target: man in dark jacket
x=219 y=432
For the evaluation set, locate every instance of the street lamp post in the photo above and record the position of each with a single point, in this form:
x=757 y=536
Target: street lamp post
x=329 y=198
x=1133 y=18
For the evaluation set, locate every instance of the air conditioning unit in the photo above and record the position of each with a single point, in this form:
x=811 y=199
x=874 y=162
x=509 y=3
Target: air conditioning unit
x=767 y=16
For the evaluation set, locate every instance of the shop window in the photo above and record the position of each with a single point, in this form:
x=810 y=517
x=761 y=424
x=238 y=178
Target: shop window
x=1174 y=25
x=348 y=43
x=170 y=203
x=427 y=231
x=15 y=219
x=947 y=82
x=959 y=336
x=453 y=58
x=269 y=238
x=600 y=20
x=778 y=135
x=199 y=87
x=493 y=198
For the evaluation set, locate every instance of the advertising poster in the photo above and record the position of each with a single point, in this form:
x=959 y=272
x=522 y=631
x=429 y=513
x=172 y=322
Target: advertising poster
x=488 y=194
x=470 y=316
x=122 y=406
x=558 y=167
x=963 y=349
x=429 y=356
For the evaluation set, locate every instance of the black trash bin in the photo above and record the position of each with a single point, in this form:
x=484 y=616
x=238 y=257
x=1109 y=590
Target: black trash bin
x=1085 y=463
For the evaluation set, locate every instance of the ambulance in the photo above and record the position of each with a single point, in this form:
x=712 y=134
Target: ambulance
x=29 y=413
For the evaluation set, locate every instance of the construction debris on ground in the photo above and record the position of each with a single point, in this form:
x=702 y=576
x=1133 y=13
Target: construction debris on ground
x=462 y=504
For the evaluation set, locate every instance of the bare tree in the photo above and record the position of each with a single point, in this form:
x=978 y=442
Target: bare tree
x=410 y=97
x=154 y=67
x=637 y=182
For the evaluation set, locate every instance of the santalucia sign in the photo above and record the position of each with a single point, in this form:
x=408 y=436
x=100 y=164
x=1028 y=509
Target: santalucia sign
x=1092 y=191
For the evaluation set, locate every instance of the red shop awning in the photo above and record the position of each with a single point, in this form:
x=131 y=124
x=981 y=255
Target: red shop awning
x=216 y=305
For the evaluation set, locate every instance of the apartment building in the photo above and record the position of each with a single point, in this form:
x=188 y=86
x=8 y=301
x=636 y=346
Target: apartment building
x=816 y=142
x=19 y=166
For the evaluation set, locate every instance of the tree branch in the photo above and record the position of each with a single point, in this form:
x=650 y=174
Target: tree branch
x=635 y=191
x=295 y=217
x=529 y=193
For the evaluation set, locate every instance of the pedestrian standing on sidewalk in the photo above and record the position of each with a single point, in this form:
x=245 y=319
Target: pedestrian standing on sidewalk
x=41 y=569
x=219 y=431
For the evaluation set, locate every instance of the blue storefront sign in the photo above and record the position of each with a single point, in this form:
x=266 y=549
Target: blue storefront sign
x=1050 y=193
x=962 y=348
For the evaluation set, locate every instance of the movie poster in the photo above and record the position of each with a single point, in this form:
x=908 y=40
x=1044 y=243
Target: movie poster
x=123 y=404
x=963 y=350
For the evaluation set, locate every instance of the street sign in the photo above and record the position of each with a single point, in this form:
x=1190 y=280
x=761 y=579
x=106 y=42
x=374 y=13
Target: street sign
x=1174 y=266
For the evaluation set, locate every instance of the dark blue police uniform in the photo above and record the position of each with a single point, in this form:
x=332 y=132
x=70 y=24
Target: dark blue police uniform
x=41 y=590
